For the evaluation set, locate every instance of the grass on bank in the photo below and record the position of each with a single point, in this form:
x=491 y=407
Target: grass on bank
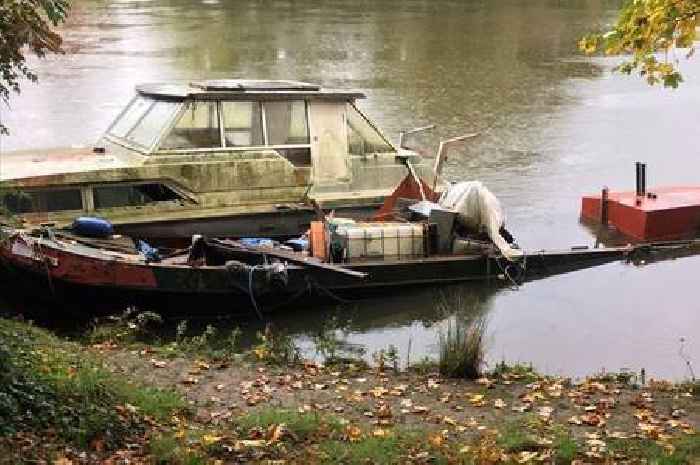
x=461 y=349
x=685 y=451
x=50 y=386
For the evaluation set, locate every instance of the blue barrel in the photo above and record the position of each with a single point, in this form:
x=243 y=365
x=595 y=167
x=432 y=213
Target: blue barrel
x=92 y=227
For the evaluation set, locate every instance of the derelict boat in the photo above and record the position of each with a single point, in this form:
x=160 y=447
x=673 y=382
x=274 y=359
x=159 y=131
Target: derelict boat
x=342 y=259
x=232 y=278
x=219 y=158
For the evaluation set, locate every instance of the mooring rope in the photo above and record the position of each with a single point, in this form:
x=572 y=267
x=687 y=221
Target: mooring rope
x=251 y=292
x=43 y=259
x=327 y=292
x=506 y=273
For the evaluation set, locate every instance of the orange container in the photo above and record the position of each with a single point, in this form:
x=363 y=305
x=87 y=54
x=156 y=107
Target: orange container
x=318 y=240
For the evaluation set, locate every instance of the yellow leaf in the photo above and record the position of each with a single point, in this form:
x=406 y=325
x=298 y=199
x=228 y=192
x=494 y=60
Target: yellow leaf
x=526 y=456
x=250 y=443
x=436 y=439
x=353 y=433
x=209 y=439
x=276 y=432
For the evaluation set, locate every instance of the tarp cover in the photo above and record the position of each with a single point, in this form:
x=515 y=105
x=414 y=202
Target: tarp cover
x=479 y=210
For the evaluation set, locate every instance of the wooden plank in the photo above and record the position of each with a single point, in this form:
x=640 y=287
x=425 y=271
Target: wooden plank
x=294 y=258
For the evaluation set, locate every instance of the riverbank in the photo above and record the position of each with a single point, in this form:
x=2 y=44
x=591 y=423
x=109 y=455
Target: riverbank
x=117 y=397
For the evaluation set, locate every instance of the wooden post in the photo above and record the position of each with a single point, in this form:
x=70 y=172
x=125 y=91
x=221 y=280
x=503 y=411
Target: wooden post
x=604 y=206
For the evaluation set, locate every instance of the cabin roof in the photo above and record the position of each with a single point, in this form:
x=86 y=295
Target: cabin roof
x=244 y=89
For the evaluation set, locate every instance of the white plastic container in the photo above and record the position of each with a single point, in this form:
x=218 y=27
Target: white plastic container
x=377 y=240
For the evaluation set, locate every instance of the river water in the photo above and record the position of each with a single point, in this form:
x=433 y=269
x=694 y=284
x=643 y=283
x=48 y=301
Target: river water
x=553 y=125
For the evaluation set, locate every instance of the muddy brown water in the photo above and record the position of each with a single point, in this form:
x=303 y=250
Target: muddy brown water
x=554 y=126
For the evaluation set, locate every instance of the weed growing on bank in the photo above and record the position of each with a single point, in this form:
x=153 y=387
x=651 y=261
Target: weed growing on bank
x=461 y=349
x=135 y=329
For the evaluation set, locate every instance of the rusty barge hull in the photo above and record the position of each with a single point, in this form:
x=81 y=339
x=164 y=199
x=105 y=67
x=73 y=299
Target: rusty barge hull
x=97 y=281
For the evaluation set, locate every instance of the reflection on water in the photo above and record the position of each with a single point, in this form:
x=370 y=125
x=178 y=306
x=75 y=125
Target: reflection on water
x=553 y=126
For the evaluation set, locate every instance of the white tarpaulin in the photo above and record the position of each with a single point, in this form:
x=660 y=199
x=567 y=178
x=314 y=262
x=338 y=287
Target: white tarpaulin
x=478 y=209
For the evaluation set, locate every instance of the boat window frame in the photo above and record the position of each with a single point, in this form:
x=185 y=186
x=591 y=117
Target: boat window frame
x=159 y=135
x=183 y=197
x=263 y=124
x=373 y=126
x=133 y=145
x=156 y=150
x=48 y=190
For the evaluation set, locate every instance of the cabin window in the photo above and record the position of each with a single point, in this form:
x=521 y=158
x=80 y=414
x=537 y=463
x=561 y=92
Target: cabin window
x=132 y=195
x=363 y=138
x=147 y=130
x=286 y=123
x=242 y=124
x=43 y=201
x=198 y=127
x=128 y=119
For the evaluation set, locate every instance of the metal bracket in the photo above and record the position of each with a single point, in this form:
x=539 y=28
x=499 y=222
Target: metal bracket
x=408 y=132
x=442 y=151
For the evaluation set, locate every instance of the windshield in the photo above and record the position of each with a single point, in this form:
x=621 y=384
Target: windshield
x=144 y=120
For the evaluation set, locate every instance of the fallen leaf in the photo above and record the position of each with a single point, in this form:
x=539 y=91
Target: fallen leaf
x=384 y=411
x=436 y=439
x=158 y=363
x=243 y=443
x=526 y=456
x=277 y=432
x=419 y=409
x=499 y=403
x=209 y=439
x=353 y=433
x=591 y=419
x=97 y=444
x=545 y=413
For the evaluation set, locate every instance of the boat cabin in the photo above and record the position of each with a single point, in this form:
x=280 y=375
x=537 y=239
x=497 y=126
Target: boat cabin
x=217 y=157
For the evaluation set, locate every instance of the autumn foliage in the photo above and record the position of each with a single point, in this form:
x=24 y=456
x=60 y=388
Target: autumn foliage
x=650 y=33
x=26 y=25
